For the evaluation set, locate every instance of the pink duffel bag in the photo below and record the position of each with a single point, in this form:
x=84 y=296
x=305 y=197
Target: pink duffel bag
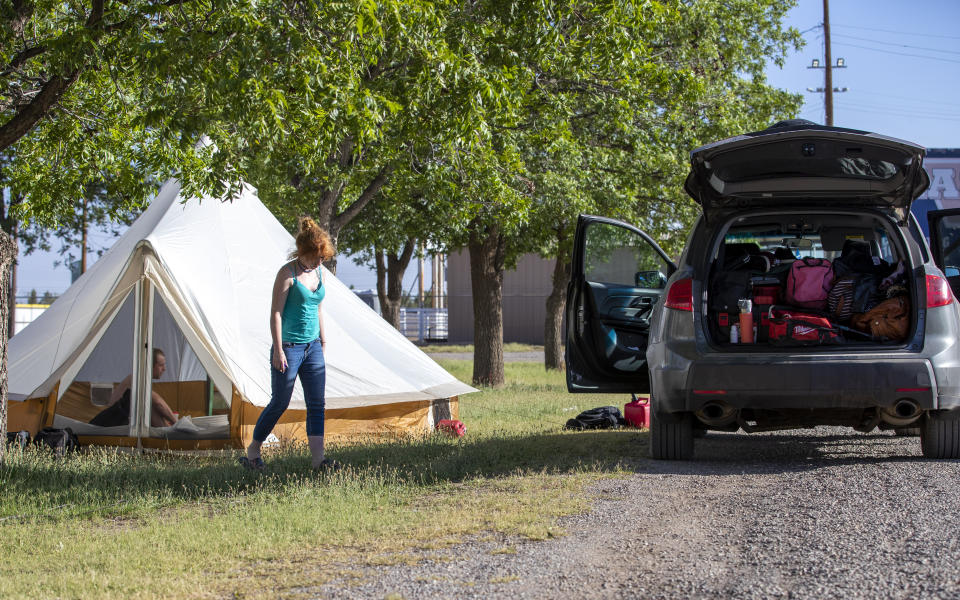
x=809 y=282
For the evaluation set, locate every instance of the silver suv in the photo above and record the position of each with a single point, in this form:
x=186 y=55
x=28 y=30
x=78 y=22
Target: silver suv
x=637 y=322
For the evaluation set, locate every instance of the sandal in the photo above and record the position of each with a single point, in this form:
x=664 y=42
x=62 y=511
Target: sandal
x=328 y=465
x=252 y=465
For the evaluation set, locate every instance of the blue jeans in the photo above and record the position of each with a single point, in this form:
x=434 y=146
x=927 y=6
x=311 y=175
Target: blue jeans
x=305 y=360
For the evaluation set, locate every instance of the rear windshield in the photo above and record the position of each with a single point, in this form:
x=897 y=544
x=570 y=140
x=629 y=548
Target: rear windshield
x=839 y=159
x=827 y=243
x=859 y=168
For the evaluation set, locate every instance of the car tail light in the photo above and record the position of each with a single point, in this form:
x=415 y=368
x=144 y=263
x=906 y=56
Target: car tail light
x=938 y=291
x=680 y=295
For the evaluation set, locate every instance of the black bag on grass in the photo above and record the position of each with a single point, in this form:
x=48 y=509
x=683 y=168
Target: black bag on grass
x=60 y=441
x=18 y=439
x=604 y=417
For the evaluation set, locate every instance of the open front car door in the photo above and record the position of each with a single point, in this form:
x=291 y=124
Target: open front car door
x=619 y=276
x=945 y=244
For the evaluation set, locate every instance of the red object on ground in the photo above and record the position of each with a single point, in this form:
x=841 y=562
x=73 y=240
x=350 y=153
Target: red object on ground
x=452 y=427
x=637 y=412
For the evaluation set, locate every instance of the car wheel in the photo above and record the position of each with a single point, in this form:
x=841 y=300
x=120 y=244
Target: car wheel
x=671 y=436
x=940 y=435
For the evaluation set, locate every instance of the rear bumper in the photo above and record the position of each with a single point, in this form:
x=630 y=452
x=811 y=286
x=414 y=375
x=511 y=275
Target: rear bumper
x=798 y=384
x=684 y=369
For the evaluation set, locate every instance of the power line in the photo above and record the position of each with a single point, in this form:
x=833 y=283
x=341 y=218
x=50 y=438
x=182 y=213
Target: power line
x=896 y=113
x=947 y=37
x=903 y=109
x=873 y=41
x=898 y=53
x=914 y=100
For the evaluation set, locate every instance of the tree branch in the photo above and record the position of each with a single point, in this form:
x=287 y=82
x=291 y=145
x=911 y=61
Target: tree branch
x=28 y=116
x=339 y=221
x=20 y=58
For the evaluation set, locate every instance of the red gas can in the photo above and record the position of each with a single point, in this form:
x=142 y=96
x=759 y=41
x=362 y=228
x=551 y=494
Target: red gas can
x=637 y=412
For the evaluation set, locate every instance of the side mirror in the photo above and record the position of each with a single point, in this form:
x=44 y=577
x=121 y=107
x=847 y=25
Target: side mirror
x=651 y=280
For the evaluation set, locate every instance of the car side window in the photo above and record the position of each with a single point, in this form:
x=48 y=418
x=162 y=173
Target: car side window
x=949 y=232
x=886 y=249
x=618 y=256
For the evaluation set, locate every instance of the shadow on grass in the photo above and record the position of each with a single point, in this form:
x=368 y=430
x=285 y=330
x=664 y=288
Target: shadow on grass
x=628 y=450
x=35 y=482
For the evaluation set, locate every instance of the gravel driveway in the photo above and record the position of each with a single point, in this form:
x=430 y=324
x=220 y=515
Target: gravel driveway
x=827 y=513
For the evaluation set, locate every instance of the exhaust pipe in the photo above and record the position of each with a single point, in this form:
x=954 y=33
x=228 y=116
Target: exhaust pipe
x=903 y=412
x=717 y=414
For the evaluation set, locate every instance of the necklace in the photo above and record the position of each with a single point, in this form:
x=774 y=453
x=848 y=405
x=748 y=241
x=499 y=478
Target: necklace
x=303 y=268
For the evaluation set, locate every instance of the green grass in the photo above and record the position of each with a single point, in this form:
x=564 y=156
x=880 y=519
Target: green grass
x=110 y=524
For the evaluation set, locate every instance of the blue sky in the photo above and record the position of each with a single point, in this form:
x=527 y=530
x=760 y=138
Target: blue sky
x=902 y=76
x=903 y=67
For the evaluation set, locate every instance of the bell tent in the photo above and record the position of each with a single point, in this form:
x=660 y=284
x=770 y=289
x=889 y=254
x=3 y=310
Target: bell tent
x=194 y=280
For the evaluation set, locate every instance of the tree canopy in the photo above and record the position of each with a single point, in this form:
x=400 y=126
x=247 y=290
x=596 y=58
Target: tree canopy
x=495 y=122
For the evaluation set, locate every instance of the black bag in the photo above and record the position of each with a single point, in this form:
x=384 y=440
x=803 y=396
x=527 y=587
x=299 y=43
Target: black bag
x=856 y=259
x=729 y=286
x=60 y=441
x=604 y=417
x=18 y=439
x=730 y=280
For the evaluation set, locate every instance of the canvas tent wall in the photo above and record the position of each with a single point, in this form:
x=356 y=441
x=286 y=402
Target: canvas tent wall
x=194 y=278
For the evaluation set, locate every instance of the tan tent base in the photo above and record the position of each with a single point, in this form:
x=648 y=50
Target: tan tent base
x=154 y=443
x=365 y=423
x=26 y=415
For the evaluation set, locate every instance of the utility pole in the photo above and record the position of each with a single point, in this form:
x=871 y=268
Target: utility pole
x=828 y=68
x=828 y=71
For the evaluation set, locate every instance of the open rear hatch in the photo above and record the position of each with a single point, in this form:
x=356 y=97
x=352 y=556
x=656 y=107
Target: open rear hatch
x=792 y=278
x=801 y=162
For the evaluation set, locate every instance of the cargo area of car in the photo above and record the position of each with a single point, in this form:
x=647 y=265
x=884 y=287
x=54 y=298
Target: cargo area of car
x=810 y=280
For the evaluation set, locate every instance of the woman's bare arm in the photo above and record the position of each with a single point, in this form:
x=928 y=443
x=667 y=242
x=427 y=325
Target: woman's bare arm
x=281 y=286
x=323 y=336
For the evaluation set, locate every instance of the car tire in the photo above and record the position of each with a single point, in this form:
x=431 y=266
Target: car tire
x=671 y=437
x=940 y=435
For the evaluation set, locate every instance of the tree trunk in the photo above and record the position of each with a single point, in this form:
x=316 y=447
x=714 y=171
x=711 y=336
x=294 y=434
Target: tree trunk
x=556 y=302
x=9 y=225
x=8 y=253
x=12 y=317
x=390 y=314
x=390 y=281
x=487 y=256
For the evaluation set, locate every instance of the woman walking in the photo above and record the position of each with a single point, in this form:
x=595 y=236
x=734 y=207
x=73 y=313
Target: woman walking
x=296 y=325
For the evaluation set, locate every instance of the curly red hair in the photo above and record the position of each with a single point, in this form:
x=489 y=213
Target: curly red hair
x=312 y=240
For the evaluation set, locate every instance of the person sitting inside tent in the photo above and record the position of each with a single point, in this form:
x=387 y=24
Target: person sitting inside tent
x=118 y=411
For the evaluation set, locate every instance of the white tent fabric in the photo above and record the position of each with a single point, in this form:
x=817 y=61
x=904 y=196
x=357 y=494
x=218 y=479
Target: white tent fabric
x=212 y=264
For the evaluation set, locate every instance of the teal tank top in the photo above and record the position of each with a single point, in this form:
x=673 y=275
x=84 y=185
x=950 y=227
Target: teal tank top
x=299 y=321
